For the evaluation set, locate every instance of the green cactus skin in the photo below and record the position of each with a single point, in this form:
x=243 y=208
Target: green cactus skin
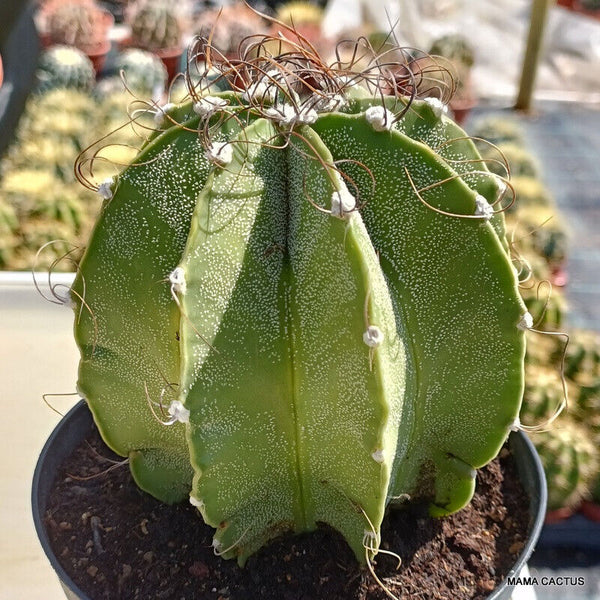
x=144 y=72
x=571 y=463
x=155 y=27
x=247 y=290
x=64 y=67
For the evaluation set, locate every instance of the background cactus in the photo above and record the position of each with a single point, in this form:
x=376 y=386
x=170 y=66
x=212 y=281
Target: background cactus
x=304 y=313
x=571 y=462
x=144 y=72
x=64 y=67
x=79 y=23
x=456 y=48
x=154 y=26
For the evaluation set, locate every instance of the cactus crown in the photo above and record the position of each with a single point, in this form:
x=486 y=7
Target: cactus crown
x=64 y=67
x=298 y=305
x=155 y=27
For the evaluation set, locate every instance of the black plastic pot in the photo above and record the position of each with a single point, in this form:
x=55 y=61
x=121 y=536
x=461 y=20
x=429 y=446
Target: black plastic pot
x=78 y=422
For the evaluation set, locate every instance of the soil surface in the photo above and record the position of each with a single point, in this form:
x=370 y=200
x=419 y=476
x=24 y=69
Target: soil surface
x=119 y=543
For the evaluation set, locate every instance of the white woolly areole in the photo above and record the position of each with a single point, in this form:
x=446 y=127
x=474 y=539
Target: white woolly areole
x=516 y=424
x=483 y=208
x=289 y=115
x=343 y=203
x=377 y=456
x=379 y=118
x=330 y=103
x=196 y=502
x=265 y=89
x=526 y=322
x=179 y=412
x=105 y=188
x=177 y=279
x=438 y=108
x=209 y=105
x=162 y=110
x=373 y=336
x=216 y=544
x=220 y=153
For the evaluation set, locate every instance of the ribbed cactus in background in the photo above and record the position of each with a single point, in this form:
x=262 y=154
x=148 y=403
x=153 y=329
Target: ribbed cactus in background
x=78 y=23
x=154 y=26
x=144 y=72
x=298 y=307
x=64 y=67
x=571 y=462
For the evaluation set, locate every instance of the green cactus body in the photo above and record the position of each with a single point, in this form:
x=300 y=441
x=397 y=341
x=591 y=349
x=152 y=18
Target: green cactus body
x=330 y=339
x=64 y=67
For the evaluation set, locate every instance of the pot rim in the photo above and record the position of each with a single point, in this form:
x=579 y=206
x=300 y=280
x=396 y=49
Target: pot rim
x=530 y=469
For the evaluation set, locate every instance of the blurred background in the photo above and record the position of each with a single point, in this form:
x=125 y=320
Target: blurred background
x=526 y=77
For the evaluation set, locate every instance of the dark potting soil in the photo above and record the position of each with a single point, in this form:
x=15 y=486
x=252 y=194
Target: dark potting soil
x=119 y=543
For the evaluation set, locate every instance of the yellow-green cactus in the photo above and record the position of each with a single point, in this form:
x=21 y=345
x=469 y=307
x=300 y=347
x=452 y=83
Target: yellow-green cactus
x=298 y=307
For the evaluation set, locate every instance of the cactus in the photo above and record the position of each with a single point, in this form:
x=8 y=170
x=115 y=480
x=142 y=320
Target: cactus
x=298 y=12
x=582 y=360
x=154 y=26
x=144 y=72
x=544 y=394
x=293 y=310
x=530 y=192
x=456 y=48
x=521 y=162
x=571 y=463
x=539 y=229
x=64 y=67
x=78 y=23
x=547 y=306
x=498 y=130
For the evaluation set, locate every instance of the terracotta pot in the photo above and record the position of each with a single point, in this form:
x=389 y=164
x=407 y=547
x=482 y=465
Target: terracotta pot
x=171 y=58
x=578 y=6
x=558 y=515
x=590 y=510
x=98 y=55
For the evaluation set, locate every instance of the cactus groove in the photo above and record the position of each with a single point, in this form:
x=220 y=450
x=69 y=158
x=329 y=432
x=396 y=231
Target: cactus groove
x=329 y=296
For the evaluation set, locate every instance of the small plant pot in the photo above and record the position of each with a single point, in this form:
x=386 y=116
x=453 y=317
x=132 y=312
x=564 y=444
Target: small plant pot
x=171 y=58
x=590 y=510
x=78 y=423
x=579 y=7
x=98 y=56
x=558 y=515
